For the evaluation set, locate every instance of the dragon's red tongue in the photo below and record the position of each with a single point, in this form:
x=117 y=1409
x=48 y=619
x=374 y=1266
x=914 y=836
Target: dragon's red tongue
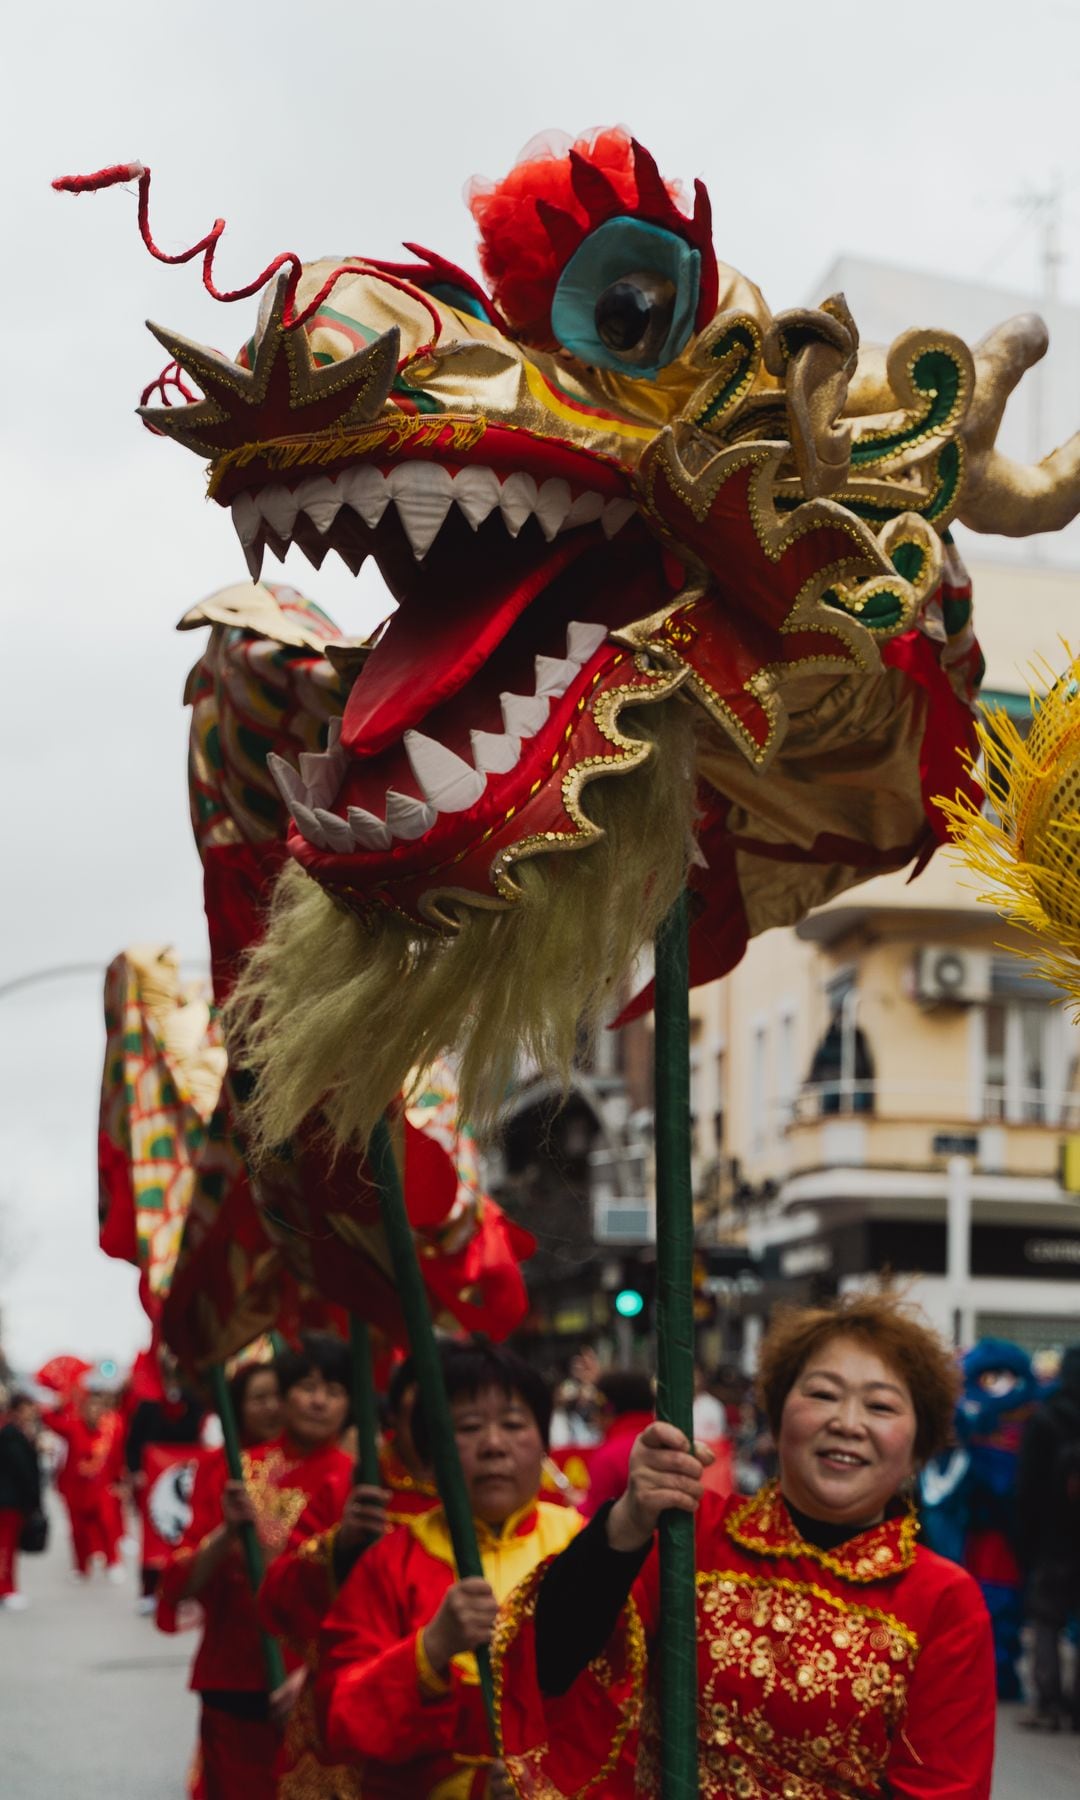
x=438 y=639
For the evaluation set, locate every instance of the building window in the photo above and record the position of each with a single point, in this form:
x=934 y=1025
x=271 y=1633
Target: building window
x=1024 y=1049
x=759 y=1099
x=842 y=1071
x=1023 y=1082
x=721 y=1102
x=787 y=1080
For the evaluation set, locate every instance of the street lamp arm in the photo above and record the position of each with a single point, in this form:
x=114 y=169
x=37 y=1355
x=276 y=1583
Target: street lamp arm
x=56 y=972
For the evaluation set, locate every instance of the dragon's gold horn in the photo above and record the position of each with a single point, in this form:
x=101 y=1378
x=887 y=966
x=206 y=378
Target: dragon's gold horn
x=1000 y=495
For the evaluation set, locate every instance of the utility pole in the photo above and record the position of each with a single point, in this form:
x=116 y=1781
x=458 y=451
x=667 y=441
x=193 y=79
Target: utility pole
x=958 y=1250
x=1044 y=208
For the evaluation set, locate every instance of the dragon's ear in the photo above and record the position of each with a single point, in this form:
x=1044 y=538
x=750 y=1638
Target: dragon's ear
x=628 y=297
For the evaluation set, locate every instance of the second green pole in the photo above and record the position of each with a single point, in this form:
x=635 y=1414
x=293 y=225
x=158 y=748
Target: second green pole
x=675 y=1351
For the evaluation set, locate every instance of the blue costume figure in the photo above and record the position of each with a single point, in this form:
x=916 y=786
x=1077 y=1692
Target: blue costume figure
x=969 y=1507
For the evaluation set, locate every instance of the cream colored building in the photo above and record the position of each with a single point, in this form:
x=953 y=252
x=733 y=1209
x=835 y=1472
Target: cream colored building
x=942 y=1046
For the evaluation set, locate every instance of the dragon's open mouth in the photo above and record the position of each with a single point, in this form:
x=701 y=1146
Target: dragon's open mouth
x=507 y=588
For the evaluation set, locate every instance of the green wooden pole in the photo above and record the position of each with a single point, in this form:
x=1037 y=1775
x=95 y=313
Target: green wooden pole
x=675 y=1351
x=425 y=1354
x=275 y=1667
x=363 y=1396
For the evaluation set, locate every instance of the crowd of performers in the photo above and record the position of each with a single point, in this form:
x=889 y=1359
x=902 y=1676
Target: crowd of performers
x=836 y=1653
x=843 y=1649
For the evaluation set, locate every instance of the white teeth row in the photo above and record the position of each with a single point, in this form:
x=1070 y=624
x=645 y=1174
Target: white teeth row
x=448 y=782
x=423 y=494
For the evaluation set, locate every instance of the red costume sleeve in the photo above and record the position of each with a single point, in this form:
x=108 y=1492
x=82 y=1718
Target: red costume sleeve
x=565 y=1744
x=370 y=1688
x=944 y=1748
x=299 y=1586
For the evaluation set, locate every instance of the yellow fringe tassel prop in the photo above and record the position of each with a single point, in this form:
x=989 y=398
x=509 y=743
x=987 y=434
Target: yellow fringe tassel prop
x=1028 y=845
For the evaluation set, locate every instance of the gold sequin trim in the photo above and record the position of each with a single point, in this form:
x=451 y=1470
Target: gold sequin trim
x=764 y=1525
x=526 y=1770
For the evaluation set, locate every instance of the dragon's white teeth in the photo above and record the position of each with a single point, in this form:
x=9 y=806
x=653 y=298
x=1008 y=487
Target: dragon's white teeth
x=552 y=505
x=253 y=556
x=246 y=518
x=584 y=510
x=337 y=833
x=279 y=507
x=286 y=780
x=369 y=832
x=406 y=817
x=517 y=501
x=554 y=675
x=320 y=499
x=495 y=752
x=308 y=824
x=583 y=641
x=523 y=714
x=366 y=492
x=615 y=515
x=476 y=494
x=449 y=782
x=322 y=774
x=423 y=494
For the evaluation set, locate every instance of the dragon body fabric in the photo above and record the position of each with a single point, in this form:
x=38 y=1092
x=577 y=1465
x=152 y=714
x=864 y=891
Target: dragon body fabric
x=637 y=527
x=225 y=1256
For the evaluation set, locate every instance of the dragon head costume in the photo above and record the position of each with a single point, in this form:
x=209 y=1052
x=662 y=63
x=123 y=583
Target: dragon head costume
x=636 y=525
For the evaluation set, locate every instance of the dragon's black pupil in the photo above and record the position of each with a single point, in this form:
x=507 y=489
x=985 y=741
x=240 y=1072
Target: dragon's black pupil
x=622 y=315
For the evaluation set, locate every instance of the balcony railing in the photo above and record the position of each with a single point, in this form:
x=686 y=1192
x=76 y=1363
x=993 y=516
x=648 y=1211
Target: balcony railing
x=949 y=1102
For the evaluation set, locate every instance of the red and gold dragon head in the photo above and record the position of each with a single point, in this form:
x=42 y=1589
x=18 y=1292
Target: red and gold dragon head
x=610 y=488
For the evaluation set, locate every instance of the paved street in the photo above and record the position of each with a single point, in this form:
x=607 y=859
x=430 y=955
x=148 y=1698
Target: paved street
x=93 y=1698
x=95 y=1707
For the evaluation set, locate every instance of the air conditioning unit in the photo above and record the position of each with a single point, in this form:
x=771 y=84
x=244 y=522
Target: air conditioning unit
x=624 y=1221
x=951 y=973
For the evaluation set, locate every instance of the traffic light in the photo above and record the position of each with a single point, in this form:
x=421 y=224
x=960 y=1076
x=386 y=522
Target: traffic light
x=629 y=1303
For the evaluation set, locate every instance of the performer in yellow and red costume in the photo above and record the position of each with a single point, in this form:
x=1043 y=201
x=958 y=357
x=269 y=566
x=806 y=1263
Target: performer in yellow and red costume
x=836 y=1656
x=398 y=1686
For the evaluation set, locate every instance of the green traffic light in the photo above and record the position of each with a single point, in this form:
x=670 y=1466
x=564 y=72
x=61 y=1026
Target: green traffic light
x=629 y=1303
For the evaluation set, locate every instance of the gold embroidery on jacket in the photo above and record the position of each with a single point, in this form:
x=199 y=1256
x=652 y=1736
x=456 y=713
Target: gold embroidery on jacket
x=778 y=1649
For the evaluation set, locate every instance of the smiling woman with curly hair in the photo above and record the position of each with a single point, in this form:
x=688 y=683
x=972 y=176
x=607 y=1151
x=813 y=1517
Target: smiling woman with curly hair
x=837 y=1658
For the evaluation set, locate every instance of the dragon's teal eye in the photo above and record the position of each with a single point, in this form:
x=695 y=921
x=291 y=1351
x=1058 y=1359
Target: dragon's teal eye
x=634 y=314
x=626 y=299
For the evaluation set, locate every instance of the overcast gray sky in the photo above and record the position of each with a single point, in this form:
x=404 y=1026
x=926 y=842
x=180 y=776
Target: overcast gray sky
x=902 y=133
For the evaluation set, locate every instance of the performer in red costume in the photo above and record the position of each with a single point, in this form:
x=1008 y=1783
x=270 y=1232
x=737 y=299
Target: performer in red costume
x=836 y=1657
x=94 y=1436
x=398 y=1687
x=339 y=1523
x=628 y=1407
x=238 y=1736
